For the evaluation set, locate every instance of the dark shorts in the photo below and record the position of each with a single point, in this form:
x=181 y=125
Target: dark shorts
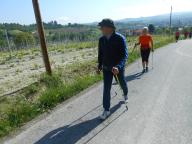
x=145 y=54
x=177 y=37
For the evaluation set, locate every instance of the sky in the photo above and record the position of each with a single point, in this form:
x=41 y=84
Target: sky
x=85 y=11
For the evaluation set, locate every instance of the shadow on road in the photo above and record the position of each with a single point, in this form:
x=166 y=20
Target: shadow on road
x=72 y=133
x=131 y=77
x=134 y=76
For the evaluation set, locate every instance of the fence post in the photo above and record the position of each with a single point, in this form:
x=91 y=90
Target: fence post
x=8 y=43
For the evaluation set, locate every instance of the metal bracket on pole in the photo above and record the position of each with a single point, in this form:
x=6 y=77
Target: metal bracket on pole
x=42 y=36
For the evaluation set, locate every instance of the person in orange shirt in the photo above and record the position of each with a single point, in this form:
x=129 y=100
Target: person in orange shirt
x=146 y=44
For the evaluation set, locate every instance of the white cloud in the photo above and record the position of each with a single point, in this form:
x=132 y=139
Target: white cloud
x=182 y=5
x=151 y=8
x=63 y=20
x=140 y=11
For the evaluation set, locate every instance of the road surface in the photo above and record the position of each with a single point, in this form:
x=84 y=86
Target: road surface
x=160 y=108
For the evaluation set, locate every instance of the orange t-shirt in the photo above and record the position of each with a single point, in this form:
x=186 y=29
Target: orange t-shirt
x=146 y=41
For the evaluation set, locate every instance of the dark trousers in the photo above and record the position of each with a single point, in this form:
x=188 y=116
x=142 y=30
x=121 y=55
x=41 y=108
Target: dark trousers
x=108 y=79
x=145 y=54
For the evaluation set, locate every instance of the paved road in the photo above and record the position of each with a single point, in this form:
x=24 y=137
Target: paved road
x=160 y=108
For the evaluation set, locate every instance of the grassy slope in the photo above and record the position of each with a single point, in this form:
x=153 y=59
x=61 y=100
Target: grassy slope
x=49 y=91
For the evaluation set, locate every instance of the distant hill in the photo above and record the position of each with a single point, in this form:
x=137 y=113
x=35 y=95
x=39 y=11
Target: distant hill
x=179 y=19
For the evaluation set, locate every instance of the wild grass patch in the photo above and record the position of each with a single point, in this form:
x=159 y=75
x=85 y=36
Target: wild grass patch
x=44 y=95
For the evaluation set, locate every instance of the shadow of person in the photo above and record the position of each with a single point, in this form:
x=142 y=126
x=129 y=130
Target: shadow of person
x=130 y=77
x=72 y=133
x=134 y=76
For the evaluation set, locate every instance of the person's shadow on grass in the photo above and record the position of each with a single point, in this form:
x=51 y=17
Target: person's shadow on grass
x=71 y=134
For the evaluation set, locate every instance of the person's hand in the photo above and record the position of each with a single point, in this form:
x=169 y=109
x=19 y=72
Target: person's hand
x=115 y=70
x=98 y=71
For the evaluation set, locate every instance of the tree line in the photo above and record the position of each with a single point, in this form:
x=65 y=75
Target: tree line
x=26 y=36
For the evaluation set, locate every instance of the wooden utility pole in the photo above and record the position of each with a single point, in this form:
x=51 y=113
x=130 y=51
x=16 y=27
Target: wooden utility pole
x=170 y=24
x=42 y=36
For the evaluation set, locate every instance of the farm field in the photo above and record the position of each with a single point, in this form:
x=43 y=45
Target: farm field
x=25 y=66
x=18 y=73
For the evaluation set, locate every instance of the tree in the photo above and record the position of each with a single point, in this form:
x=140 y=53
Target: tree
x=151 y=28
x=23 y=39
x=191 y=29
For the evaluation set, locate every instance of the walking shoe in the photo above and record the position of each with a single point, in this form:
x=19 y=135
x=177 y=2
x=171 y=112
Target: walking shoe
x=126 y=99
x=147 y=69
x=105 y=115
x=143 y=71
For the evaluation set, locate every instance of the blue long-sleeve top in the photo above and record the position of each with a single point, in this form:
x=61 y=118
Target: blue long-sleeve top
x=113 y=52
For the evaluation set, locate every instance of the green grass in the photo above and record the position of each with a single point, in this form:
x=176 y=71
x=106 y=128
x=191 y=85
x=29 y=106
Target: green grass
x=73 y=46
x=62 y=91
x=43 y=96
x=160 y=41
x=50 y=91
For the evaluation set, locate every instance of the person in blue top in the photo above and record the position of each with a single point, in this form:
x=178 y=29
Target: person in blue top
x=112 y=57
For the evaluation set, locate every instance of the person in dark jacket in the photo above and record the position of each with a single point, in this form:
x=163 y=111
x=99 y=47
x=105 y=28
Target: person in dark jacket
x=112 y=57
x=190 y=35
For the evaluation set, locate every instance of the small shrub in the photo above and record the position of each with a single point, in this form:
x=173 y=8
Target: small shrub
x=20 y=113
x=18 y=71
x=35 y=66
x=51 y=81
x=5 y=127
x=30 y=90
